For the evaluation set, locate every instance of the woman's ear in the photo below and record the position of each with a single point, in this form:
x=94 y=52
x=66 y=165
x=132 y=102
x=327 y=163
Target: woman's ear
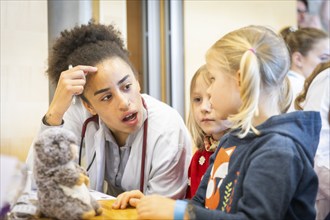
x=89 y=107
x=297 y=59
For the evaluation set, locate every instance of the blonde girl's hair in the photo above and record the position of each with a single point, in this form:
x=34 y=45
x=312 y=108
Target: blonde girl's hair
x=308 y=81
x=195 y=130
x=262 y=59
x=285 y=96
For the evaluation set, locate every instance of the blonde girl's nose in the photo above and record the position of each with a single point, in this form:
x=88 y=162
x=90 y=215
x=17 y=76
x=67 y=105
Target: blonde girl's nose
x=206 y=105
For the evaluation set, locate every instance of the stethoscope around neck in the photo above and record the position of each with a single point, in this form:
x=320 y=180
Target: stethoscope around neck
x=95 y=118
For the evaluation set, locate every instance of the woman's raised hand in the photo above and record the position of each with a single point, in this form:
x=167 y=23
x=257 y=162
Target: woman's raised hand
x=70 y=83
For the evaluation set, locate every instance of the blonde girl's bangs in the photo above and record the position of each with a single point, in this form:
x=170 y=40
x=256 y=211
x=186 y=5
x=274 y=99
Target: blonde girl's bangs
x=195 y=131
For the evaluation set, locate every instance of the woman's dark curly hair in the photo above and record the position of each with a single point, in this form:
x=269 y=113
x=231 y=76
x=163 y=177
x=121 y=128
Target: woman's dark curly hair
x=85 y=45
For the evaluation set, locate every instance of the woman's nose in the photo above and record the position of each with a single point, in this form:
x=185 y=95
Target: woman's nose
x=124 y=102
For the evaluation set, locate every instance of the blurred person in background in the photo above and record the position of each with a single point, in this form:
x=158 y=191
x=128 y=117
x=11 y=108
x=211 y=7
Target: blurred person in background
x=316 y=97
x=318 y=18
x=308 y=47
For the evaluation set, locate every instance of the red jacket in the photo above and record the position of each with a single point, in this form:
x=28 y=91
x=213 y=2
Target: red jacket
x=198 y=166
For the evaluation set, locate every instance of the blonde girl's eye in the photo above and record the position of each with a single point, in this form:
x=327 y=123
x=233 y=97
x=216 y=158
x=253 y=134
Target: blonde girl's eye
x=197 y=99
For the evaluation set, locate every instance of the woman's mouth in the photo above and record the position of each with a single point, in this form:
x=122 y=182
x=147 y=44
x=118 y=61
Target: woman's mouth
x=130 y=117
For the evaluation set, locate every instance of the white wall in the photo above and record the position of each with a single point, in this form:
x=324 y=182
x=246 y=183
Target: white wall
x=207 y=21
x=24 y=86
x=114 y=12
x=24 y=52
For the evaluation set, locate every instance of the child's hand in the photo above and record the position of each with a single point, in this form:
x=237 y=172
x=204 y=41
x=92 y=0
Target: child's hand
x=155 y=207
x=130 y=197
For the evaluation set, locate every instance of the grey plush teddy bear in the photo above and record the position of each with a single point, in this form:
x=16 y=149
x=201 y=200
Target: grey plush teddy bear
x=61 y=182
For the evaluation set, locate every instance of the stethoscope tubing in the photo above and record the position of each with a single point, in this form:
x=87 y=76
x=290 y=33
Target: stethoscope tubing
x=95 y=119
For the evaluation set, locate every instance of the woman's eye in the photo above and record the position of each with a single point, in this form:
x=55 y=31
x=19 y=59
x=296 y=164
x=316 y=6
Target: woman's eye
x=127 y=86
x=106 y=98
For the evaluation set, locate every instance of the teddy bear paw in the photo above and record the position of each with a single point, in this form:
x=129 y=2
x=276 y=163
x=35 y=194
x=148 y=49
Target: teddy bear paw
x=99 y=211
x=80 y=180
x=86 y=181
x=87 y=215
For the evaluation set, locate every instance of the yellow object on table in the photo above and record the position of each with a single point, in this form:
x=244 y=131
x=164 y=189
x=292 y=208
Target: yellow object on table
x=109 y=213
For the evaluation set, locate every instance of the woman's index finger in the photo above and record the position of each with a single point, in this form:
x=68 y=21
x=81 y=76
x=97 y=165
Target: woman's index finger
x=87 y=69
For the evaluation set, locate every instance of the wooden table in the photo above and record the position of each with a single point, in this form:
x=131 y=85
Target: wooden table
x=109 y=213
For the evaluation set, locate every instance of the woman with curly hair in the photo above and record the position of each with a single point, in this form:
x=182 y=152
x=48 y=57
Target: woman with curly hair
x=133 y=141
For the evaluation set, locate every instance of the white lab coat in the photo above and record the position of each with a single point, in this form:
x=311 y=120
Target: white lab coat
x=297 y=84
x=318 y=99
x=168 y=150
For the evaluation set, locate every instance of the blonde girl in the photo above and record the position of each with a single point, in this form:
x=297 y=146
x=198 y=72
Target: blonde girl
x=263 y=167
x=205 y=128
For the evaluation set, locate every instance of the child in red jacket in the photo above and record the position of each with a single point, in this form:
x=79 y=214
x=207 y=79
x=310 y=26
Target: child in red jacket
x=205 y=129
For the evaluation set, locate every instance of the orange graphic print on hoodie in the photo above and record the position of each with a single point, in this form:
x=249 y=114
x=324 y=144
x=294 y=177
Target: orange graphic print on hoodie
x=218 y=173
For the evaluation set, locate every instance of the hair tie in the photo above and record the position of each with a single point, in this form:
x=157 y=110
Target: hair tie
x=253 y=50
x=293 y=29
